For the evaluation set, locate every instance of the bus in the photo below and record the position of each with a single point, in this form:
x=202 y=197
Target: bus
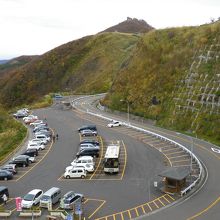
x=111 y=159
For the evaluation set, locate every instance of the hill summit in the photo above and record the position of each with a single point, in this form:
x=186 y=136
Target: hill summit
x=131 y=25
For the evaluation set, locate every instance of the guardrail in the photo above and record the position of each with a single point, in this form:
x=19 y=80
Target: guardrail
x=183 y=192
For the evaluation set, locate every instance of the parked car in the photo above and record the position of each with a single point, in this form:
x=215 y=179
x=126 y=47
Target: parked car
x=69 y=199
x=52 y=195
x=45 y=132
x=37 y=141
x=87 y=132
x=36 y=146
x=5 y=175
x=30 y=117
x=114 y=124
x=88 y=152
x=31 y=152
x=31 y=198
x=87 y=146
x=83 y=160
x=88 y=167
x=76 y=172
x=20 y=114
x=94 y=142
x=86 y=127
x=37 y=122
x=10 y=167
x=41 y=136
x=20 y=161
x=41 y=127
x=4 y=191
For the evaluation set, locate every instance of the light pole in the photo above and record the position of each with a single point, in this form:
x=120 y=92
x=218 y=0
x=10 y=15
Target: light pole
x=128 y=109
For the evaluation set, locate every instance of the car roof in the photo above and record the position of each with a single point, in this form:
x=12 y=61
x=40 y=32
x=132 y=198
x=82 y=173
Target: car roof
x=85 y=157
x=35 y=191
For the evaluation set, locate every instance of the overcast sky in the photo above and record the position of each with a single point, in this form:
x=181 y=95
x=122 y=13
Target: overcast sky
x=29 y=27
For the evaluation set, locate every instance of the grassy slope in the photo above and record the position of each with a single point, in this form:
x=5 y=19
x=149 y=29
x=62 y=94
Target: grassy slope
x=85 y=65
x=161 y=60
x=11 y=133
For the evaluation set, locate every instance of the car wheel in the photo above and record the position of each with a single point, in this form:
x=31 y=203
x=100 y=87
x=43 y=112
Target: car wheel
x=6 y=178
x=67 y=177
x=82 y=176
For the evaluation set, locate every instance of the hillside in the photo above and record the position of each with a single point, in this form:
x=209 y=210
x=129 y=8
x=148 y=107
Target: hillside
x=5 y=67
x=174 y=77
x=88 y=65
x=131 y=25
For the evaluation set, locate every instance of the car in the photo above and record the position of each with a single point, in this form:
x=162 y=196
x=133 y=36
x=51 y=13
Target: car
x=114 y=124
x=87 y=132
x=41 y=127
x=88 y=145
x=36 y=146
x=94 y=142
x=86 y=127
x=20 y=114
x=88 y=152
x=5 y=175
x=30 y=117
x=10 y=167
x=42 y=136
x=37 y=122
x=30 y=159
x=88 y=167
x=20 y=161
x=76 y=172
x=47 y=133
x=31 y=152
x=31 y=198
x=4 y=191
x=37 y=141
x=83 y=160
x=69 y=199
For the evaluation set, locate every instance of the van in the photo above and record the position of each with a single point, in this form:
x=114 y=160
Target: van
x=3 y=190
x=83 y=160
x=52 y=195
x=75 y=172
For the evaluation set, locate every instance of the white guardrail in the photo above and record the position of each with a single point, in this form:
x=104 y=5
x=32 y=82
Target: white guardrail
x=183 y=192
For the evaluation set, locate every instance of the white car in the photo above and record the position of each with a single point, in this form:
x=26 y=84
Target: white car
x=83 y=160
x=37 y=122
x=36 y=146
x=88 y=167
x=76 y=172
x=31 y=198
x=114 y=124
x=38 y=141
x=30 y=117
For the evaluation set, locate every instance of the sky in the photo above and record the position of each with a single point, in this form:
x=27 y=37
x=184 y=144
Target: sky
x=33 y=27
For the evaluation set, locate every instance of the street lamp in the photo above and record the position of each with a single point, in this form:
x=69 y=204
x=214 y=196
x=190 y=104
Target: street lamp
x=128 y=109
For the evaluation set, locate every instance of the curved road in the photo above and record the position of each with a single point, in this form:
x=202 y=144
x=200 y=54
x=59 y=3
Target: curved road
x=204 y=204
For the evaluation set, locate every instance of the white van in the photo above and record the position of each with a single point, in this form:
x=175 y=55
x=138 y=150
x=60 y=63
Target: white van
x=83 y=160
x=52 y=195
x=76 y=172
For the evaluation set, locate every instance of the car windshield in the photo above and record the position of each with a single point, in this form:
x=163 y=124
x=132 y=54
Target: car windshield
x=29 y=197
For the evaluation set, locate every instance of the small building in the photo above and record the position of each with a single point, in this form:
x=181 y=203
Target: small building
x=175 y=179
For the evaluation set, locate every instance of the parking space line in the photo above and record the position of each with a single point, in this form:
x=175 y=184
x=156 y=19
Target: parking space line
x=129 y=214
x=143 y=210
x=175 y=153
x=170 y=197
x=185 y=155
x=137 y=213
x=125 y=162
x=161 y=202
x=166 y=199
x=148 y=204
x=99 y=159
x=103 y=202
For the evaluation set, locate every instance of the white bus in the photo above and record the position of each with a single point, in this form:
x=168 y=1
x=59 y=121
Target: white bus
x=111 y=160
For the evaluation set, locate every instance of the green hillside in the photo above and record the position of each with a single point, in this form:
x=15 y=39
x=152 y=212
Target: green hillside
x=88 y=65
x=11 y=133
x=174 y=77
